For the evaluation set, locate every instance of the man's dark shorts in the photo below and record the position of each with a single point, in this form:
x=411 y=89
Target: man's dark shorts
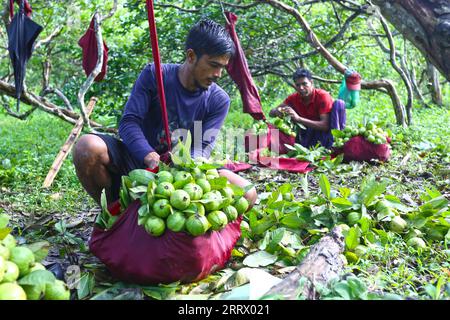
x=122 y=162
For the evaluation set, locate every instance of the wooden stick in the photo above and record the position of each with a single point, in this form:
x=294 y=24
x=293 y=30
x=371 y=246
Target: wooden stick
x=65 y=149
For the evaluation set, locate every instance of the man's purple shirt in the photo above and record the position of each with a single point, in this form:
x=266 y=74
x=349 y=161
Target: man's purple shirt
x=141 y=126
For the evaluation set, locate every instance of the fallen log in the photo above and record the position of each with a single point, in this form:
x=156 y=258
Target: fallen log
x=322 y=264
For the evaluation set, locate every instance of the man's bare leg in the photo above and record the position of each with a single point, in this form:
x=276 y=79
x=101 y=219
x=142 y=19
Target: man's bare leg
x=91 y=160
x=235 y=179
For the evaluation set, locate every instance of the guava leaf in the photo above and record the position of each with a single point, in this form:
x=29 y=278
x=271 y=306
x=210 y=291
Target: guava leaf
x=259 y=259
x=40 y=249
x=324 y=185
x=4 y=232
x=352 y=238
x=4 y=220
x=38 y=278
x=86 y=285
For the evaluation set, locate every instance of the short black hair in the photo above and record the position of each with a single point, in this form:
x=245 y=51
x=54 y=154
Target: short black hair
x=302 y=73
x=209 y=37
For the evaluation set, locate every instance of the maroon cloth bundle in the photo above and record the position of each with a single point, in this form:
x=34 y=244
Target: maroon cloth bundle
x=132 y=255
x=359 y=149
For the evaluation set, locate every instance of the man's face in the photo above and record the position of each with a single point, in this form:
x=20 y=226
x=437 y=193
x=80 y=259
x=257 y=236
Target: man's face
x=304 y=86
x=208 y=69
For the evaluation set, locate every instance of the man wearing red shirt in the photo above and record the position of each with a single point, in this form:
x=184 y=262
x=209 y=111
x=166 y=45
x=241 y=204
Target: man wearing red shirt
x=314 y=109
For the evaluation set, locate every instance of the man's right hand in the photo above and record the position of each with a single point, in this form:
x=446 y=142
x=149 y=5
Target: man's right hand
x=151 y=160
x=276 y=113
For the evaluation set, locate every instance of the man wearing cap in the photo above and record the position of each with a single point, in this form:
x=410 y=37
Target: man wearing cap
x=314 y=109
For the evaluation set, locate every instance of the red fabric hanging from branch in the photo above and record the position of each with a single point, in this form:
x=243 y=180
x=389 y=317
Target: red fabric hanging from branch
x=88 y=42
x=238 y=70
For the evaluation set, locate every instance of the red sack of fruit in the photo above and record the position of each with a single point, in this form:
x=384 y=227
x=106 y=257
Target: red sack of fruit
x=132 y=255
x=276 y=140
x=359 y=149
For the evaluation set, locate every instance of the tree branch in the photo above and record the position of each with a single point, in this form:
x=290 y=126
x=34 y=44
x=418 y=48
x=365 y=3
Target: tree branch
x=398 y=69
x=41 y=103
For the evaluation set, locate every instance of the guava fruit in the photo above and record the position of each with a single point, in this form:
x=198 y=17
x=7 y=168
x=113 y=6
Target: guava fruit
x=182 y=178
x=9 y=241
x=180 y=199
x=164 y=190
x=213 y=201
x=2 y=268
x=11 y=272
x=164 y=176
x=197 y=225
x=161 y=208
x=23 y=258
x=417 y=243
x=397 y=224
x=194 y=191
x=155 y=226
x=204 y=184
x=176 y=221
x=4 y=252
x=241 y=205
x=12 y=291
x=230 y=212
x=56 y=291
x=227 y=194
x=217 y=219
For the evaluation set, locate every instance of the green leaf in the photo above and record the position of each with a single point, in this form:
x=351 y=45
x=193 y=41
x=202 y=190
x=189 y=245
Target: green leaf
x=4 y=220
x=343 y=290
x=4 y=232
x=345 y=192
x=292 y=220
x=276 y=235
x=352 y=238
x=342 y=203
x=372 y=189
x=285 y=188
x=324 y=185
x=86 y=285
x=40 y=249
x=218 y=183
x=259 y=259
x=162 y=292
x=238 y=191
x=38 y=278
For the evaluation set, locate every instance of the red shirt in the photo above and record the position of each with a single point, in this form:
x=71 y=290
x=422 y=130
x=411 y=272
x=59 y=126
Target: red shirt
x=320 y=103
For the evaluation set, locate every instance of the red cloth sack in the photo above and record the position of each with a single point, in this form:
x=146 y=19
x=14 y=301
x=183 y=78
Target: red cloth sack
x=238 y=70
x=275 y=163
x=276 y=140
x=132 y=255
x=88 y=42
x=359 y=149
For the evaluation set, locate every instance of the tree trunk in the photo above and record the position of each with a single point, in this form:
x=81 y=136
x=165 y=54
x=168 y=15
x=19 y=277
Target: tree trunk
x=426 y=23
x=322 y=264
x=435 y=86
